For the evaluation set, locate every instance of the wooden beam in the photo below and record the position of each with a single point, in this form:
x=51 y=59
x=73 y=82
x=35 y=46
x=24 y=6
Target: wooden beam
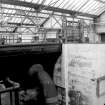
x=44 y=7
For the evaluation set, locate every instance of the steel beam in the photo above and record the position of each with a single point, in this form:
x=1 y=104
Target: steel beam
x=9 y=14
x=46 y=19
x=15 y=29
x=101 y=14
x=34 y=12
x=44 y=22
x=6 y=32
x=44 y=7
x=17 y=24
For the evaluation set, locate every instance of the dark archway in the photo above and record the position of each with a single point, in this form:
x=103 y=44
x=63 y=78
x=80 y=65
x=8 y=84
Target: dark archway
x=16 y=66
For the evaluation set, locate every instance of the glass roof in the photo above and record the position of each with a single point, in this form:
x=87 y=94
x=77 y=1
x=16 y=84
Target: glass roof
x=15 y=14
x=95 y=7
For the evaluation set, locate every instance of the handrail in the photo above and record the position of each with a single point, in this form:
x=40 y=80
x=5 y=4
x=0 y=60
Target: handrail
x=9 y=89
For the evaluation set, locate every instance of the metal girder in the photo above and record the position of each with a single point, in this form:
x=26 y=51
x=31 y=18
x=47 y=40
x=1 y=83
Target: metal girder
x=17 y=24
x=9 y=14
x=57 y=21
x=5 y=31
x=44 y=21
x=44 y=7
x=34 y=12
x=15 y=29
x=47 y=19
x=26 y=16
x=43 y=1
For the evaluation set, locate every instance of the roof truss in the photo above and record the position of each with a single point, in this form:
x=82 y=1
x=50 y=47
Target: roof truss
x=44 y=7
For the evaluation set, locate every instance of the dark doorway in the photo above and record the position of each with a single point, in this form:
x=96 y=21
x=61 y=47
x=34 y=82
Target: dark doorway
x=102 y=37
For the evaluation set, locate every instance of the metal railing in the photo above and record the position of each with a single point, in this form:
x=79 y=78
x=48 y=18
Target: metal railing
x=9 y=96
x=71 y=33
x=16 y=38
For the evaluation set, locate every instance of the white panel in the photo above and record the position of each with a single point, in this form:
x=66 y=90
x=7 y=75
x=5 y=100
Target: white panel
x=83 y=65
x=88 y=57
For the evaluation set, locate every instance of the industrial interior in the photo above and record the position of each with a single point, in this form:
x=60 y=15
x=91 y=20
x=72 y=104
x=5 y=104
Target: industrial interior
x=56 y=35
